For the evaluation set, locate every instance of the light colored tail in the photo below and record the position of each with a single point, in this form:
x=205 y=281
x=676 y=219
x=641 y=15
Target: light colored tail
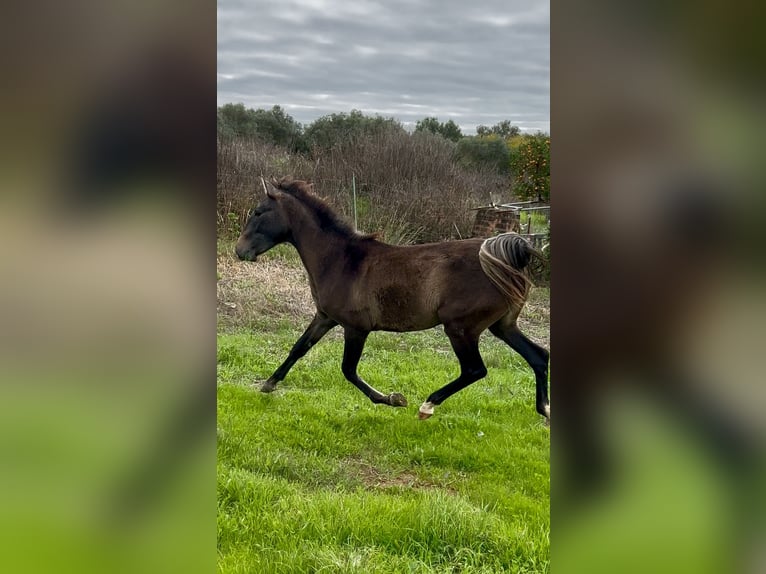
x=504 y=259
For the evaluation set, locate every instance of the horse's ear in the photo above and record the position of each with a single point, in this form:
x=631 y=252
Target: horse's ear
x=272 y=192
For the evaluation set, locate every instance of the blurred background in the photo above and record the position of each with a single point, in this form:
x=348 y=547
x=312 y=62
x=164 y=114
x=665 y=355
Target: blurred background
x=657 y=291
x=107 y=235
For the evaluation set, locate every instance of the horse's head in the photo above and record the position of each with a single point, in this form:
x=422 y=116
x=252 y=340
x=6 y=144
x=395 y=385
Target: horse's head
x=265 y=228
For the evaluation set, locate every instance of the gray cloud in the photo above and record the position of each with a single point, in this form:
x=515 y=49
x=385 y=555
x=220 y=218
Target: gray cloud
x=473 y=62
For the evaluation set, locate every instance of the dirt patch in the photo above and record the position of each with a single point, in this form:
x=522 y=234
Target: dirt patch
x=374 y=478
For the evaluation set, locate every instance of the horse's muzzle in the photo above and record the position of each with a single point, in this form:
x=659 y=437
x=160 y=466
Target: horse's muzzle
x=243 y=252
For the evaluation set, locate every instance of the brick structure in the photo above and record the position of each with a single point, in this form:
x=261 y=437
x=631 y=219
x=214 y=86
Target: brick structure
x=493 y=220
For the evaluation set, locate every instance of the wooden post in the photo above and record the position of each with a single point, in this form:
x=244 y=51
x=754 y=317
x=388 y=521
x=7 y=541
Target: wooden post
x=353 y=188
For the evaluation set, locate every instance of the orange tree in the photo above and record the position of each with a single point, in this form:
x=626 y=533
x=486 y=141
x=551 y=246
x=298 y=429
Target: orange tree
x=531 y=166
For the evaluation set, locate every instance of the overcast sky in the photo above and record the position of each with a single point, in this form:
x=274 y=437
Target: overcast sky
x=475 y=62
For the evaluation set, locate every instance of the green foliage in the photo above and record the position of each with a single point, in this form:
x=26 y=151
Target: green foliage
x=278 y=127
x=483 y=152
x=274 y=126
x=503 y=129
x=234 y=120
x=343 y=129
x=449 y=129
x=539 y=221
x=531 y=167
x=233 y=226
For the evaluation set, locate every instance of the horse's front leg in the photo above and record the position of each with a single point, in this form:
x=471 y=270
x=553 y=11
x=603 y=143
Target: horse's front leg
x=317 y=329
x=352 y=352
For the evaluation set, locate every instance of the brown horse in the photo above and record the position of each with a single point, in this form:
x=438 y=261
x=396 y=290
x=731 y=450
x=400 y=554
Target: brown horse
x=366 y=285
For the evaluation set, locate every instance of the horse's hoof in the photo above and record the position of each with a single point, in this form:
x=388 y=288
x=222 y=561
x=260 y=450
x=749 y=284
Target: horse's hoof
x=397 y=400
x=426 y=410
x=268 y=387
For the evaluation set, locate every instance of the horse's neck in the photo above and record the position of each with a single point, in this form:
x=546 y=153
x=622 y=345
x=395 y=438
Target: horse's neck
x=318 y=249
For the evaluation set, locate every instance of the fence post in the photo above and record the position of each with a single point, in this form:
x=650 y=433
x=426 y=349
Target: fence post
x=353 y=188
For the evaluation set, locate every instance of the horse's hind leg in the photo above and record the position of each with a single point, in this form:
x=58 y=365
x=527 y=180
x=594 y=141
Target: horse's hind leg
x=317 y=329
x=352 y=352
x=532 y=353
x=466 y=347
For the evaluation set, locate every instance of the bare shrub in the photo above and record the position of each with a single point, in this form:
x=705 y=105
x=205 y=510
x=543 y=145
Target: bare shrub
x=408 y=186
x=240 y=164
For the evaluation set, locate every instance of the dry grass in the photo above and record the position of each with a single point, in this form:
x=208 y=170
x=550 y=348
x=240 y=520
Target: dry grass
x=267 y=290
x=535 y=318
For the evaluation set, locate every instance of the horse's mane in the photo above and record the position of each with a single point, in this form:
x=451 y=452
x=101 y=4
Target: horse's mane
x=328 y=219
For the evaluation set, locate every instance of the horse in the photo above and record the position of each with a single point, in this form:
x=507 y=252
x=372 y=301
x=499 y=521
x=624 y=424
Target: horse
x=365 y=285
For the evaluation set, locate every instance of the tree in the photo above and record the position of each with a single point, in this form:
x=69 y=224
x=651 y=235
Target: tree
x=278 y=127
x=503 y=129
x=342 y=128
x=531 y=167
x=235 y=120
x=449 y=129
x=483 y=152
x=274 y=126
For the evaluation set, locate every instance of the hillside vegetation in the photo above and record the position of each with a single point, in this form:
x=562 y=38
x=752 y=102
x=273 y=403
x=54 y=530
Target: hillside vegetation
x=410 y=187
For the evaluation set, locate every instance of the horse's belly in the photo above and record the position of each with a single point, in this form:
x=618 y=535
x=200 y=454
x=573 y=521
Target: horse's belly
x=404 y=324
x=405 y=317
x=388 y=308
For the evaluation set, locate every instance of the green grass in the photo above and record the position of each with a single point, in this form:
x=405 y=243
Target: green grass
x=315 y=478
x=539 y=221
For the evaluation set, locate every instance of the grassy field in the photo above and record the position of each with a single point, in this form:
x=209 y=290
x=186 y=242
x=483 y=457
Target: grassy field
x=315 y=478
